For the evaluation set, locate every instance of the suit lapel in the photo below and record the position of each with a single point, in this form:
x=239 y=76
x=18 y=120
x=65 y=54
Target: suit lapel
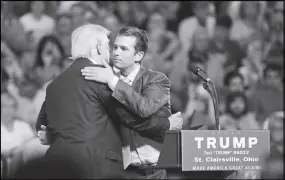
x=126 y=132
x=139 y=76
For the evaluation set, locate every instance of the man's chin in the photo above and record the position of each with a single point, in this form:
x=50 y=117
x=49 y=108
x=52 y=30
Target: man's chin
x=117 y=65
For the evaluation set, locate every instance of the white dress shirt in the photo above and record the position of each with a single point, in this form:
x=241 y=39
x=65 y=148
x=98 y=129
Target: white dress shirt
x=40 y=27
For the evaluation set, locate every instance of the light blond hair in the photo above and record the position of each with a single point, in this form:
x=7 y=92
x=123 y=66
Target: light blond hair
x=87 y=37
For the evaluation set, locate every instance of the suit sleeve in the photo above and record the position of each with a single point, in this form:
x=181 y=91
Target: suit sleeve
x=154 y=126
x=41 y=118
x=155 y=94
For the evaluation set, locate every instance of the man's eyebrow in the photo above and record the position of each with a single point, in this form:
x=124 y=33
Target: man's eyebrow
x=121 y=46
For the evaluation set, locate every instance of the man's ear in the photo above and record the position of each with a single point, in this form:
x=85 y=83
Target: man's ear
x=139 y=56
x=99 y=49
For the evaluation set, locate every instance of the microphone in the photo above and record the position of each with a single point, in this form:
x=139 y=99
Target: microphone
x=206 y=79
x=200 y=73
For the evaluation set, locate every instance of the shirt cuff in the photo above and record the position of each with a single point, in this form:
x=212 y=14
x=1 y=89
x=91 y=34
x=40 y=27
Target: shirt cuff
x=170 y=125
x=113 y=83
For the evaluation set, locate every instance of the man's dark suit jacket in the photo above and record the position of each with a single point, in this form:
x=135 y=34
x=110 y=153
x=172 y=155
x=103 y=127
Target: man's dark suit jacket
x=149 y=95
x=84 y=120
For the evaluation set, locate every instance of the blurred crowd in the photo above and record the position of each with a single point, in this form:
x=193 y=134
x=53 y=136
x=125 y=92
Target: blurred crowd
x=239 y=44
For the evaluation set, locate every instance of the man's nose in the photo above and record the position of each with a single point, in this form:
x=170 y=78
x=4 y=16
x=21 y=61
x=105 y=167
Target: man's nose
x=116 y=52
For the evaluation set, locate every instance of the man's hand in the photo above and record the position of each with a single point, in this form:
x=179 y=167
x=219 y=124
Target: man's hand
x=43 y=136
x=176 y=121
x=99 y=74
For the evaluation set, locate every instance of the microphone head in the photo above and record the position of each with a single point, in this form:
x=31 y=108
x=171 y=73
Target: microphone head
x=194 y=69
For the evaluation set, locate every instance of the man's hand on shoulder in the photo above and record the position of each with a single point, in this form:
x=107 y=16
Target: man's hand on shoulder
x=99 y=74
x=176 y=121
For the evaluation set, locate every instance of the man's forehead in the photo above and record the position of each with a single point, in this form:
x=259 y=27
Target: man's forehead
x=125 y=41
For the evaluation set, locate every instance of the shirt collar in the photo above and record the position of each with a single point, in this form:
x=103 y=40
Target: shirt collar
x=93 y=61
x=133 y=74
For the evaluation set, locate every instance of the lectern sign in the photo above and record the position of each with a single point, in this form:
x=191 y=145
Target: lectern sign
x=212 y=150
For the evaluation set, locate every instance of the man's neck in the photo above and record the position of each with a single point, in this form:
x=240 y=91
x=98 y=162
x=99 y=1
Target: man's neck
x=125 y=72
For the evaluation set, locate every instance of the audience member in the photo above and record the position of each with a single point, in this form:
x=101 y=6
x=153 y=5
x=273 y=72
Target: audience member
x=25 y=109
x=249 y=23
x=12 y=31
x=189 y=25
x=274 y=46
x=185 y=10
x=169 y=9
x=91 y=16
x=163 y=45
x=274 y=123
x=124 y=13
x=237 y=115
x=268 y=96
x=200 y=47
x=109 y=6
x=274 y=164
x=77 y=12
x=252 y=65
x=65 y=6
x=179 y=69
x=151 y=6
x=18 y=8
x=225 y=54
x=63 y=32
x=48 y=60
x=140 y=13
x=233 y=82
x=10 y=64
x=14 y=132
x=36 y=23
x=112 y=23
x=196 y=101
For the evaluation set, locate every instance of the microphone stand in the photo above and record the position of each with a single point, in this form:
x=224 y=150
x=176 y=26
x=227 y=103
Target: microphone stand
x=215 y=101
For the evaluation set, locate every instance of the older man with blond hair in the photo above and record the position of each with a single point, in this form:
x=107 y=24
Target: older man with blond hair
x=79 y=129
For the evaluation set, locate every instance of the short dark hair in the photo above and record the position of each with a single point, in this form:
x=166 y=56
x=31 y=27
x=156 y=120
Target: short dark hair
x=139 y=34
x=224 y=21
x=232 y=97
x=228 y=77
x=272 y=67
